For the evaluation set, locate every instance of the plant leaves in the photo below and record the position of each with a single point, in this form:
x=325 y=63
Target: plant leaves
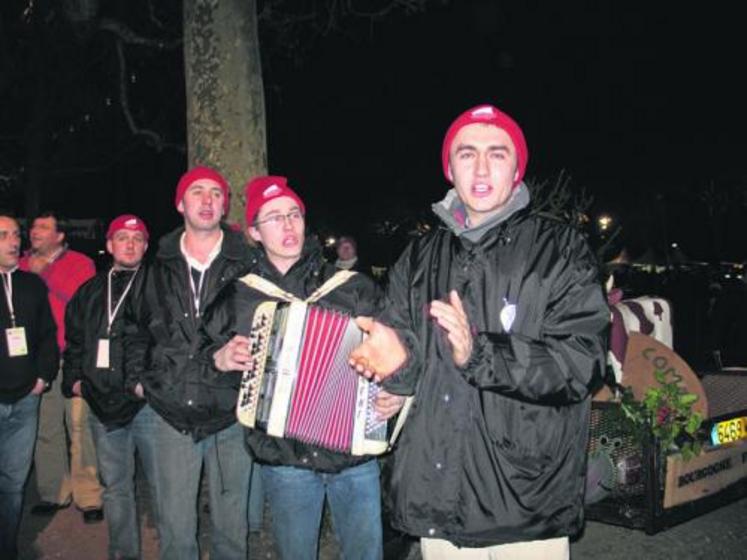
x=688 y=398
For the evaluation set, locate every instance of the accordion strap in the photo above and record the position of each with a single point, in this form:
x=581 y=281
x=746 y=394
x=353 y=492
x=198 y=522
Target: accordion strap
x=273 y=290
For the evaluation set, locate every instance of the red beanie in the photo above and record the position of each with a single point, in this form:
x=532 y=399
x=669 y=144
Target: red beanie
x=129 y=222
x=488 y=114
x=197 y=173
x=263 y=189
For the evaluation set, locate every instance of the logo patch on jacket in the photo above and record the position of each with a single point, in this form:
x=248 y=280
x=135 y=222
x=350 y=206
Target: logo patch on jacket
x=507 y=315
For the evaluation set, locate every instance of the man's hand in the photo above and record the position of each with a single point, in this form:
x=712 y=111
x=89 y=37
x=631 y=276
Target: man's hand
x=39 y=387
x=453 y=319
x=387 y=405
x=234 y=356
x=139 y=392
x=76 y=389
x=381 y=354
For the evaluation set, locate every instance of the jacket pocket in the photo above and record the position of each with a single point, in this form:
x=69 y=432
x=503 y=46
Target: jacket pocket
x=530 y=436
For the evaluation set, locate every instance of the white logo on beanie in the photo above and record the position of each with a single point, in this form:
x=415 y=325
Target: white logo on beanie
x=486 y=111
x=272 y=190
x=132 y=222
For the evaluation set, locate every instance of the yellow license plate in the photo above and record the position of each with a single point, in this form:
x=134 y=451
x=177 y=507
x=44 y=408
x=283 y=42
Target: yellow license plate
x=728 y=431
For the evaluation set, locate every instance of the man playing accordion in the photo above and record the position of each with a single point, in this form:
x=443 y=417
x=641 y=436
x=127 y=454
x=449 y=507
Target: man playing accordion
x=298 y=476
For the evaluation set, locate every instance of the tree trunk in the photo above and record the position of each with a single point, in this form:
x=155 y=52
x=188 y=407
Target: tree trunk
x=225 y=98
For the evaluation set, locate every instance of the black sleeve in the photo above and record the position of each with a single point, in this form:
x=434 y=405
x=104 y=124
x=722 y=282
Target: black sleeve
x=369 y=296
x=75 y=321
x=228 y=315
x=48 y=353
x=137 y=338
x=563 y=364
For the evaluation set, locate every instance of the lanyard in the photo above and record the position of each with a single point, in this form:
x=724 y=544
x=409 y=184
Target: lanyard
x=110 y=314
x=200 y=267
x=8 y=289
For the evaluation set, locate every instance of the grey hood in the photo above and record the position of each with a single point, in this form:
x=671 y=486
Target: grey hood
x=452 y=212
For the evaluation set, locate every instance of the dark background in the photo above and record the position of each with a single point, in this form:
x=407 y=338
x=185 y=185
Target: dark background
x=641 y=104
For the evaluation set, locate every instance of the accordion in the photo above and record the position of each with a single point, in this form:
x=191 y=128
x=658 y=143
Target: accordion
x=300 y=385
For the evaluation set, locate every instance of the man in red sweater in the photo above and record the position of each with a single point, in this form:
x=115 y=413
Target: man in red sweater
x=61 y=481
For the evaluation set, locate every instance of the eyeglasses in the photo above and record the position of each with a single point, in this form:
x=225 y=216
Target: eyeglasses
x=278 y=220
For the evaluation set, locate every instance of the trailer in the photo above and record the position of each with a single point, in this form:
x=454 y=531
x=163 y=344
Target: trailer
x=632 y=481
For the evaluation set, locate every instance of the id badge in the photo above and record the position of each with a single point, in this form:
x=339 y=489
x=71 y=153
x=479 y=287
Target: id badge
x=102 y=354
x=16 y=338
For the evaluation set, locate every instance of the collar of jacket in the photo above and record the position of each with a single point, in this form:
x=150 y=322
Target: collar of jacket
x=501 y=233
x=234 y=247
x=451 y=205
x=311 y=261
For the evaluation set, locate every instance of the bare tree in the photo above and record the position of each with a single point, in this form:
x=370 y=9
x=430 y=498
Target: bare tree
x=560 y=199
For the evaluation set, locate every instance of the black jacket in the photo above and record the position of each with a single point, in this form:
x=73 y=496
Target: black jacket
x=162 y=339
x=495 y=451
x=86 y=324
x=18 y=375
x=232 y=314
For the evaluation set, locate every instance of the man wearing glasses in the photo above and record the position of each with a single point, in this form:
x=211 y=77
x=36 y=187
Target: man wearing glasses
x=195 y=424
x=297 y=477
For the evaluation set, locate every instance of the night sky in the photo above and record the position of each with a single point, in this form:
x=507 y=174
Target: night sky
x=642 y=104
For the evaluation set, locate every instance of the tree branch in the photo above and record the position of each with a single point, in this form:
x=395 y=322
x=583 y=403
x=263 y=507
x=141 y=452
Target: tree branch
x=152 y=137
x=408 y=6
x=153 y=16
x=127 y=35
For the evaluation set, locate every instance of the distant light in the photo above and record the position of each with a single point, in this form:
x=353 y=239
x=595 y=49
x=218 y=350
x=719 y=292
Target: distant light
x=102 y=252
x=727 y=275
x=330 y=241
x=674 y=245
x=604 y=222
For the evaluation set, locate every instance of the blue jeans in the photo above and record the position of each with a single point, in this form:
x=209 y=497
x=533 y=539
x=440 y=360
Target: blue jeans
x=296 y=498
x=18 y=424
x=228 y=467
x=256 y=499
x=115 y=451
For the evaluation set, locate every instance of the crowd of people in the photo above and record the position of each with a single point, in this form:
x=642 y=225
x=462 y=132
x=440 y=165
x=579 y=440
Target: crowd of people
x=495 y=324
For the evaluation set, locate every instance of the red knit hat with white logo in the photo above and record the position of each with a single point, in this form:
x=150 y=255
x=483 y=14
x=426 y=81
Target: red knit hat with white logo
x=264 y=189
x=488 y=114
x=129 y=222
x=197 y=173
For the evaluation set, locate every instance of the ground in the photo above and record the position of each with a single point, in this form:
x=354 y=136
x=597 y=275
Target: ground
x=718 y=535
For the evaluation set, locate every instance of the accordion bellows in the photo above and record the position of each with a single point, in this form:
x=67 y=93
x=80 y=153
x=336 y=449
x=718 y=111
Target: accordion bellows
x=300 y=385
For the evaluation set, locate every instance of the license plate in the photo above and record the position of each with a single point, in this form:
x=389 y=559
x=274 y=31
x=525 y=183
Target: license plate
x=729 y=431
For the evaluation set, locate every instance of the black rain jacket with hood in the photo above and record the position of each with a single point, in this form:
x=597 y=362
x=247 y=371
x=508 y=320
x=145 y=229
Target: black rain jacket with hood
x=495 y=451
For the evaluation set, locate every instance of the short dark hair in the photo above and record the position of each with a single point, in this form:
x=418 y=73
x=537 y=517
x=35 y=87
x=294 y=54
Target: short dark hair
x=59 y=221
x=8 y=214
x=346 y=239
